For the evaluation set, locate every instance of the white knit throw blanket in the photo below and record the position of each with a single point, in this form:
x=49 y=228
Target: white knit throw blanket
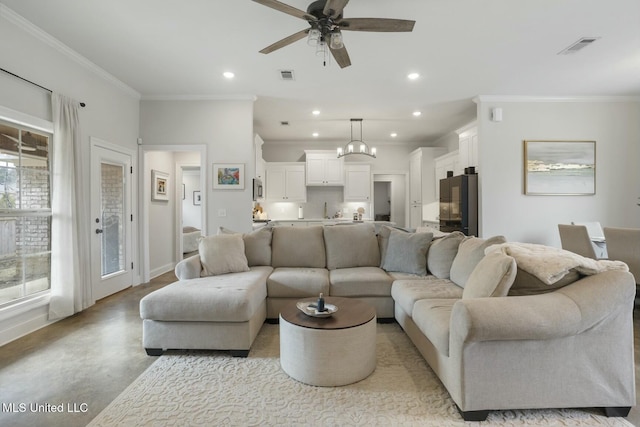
x=551 y=264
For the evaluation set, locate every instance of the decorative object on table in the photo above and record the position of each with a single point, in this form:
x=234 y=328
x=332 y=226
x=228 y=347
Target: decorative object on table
x=559 y=167
x=197 y=200
x=159 y=186
x=228 y=176
x=320 y=304
x=360 y=213
x=310 y=308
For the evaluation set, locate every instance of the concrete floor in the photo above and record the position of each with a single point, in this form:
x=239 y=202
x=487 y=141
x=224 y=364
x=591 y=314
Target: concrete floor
x=89 y=359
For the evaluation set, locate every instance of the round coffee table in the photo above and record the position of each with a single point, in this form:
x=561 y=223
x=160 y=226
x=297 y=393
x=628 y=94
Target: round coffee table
x=330 y=351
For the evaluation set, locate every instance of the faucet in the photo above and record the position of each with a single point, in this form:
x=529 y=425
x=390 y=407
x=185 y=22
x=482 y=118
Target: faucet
x=326 y=216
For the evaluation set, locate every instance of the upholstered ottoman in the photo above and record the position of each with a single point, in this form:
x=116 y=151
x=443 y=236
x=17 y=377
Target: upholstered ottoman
x=223 y=312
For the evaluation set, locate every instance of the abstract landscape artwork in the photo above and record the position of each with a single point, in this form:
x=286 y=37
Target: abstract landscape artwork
x=228 y=176
x=559 y=167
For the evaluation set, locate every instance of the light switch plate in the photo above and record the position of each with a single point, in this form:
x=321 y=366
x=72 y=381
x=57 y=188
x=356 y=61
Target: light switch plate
x=222 y=212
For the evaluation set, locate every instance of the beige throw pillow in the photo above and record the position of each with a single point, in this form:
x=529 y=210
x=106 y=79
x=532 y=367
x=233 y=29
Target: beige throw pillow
x=257 y=245
x=442 y=253
x=222 y=254
x=470 y=252
x=492 y=277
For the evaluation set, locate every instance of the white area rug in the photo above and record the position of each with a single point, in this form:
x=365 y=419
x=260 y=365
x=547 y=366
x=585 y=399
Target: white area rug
x=215 y=389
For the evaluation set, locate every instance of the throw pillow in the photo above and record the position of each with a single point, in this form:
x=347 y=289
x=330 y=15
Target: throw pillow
x=492 y=277
x=222 y=254
x=383 y=240
x=407 y=252
x=351 y=246
x=442 y=253
x=257 y=245
x=470 y=252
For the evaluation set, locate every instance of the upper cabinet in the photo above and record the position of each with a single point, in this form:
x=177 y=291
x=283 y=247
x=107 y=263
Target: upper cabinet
x=324 y=168
x=467 y=147
x=260 y=163
x=422 y=174
x=357 y=187
x=285 y=182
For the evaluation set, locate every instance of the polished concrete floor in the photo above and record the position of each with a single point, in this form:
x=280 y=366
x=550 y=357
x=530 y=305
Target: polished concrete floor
x=85 y=361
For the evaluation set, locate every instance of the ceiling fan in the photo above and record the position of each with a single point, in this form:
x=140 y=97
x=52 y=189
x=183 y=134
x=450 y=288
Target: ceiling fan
x=326 y=23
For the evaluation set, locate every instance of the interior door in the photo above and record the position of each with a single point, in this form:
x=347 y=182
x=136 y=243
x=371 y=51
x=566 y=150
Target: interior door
x=111 y=207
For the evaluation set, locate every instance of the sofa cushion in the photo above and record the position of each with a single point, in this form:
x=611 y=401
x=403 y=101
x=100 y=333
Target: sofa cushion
x=359 y=282
x=442 y=253
x=287 y=244
x=407 y=252
x=257 y=245
x=287 y=282
x=222 y=254
x=232 y=297
x=432 y=316
x=470 y=252
x=406 y=292
x=351 y=246
x=527 y=284
x=492 y=277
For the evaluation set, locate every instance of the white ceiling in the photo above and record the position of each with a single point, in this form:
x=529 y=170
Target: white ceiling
x=461 y=48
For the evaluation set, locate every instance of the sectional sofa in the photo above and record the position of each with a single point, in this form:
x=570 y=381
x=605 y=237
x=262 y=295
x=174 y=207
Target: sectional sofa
x=504 y=326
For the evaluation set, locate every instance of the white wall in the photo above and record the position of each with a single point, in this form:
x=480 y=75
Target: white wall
x=111 y=114
x=615 y=126
x=226 y=127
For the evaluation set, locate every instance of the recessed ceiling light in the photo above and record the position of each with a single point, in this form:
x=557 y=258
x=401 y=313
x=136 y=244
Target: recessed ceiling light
x=316 y=112
x=417 y=113
x=228 y=75
x=393 y=135
x=413 y=76
x=315 y=134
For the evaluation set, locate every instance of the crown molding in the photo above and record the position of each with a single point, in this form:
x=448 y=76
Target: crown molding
x=237 y=97
x=510 y=98
x=65 y=50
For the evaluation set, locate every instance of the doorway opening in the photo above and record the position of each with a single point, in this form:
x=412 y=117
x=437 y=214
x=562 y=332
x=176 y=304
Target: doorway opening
x=390 y=197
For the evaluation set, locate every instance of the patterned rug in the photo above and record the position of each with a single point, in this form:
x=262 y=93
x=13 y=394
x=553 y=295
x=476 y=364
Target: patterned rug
x=213 y=388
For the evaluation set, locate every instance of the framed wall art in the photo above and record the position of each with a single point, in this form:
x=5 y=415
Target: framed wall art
x=559 y=167
x=197 y=198
x=228 y=176
x=159 y=186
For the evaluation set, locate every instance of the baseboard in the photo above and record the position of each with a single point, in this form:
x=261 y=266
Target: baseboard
x=22 y=325
x=161 y=270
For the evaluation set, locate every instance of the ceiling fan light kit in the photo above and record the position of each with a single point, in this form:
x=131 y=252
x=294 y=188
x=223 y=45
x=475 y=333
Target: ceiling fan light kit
x=363 y=148
x=326 y=24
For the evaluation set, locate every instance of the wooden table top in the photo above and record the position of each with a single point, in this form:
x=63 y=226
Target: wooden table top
x=351 y=313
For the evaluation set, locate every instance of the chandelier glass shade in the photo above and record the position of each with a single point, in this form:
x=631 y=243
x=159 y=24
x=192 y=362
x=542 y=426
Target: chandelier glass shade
x=356 y=146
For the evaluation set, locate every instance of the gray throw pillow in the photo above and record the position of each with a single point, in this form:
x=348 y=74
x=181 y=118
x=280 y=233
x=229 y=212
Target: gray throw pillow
x=470 y=252
x=383 y=240
x=222 y=254
x=407 y=252
x=492 y=277
x=442 y=253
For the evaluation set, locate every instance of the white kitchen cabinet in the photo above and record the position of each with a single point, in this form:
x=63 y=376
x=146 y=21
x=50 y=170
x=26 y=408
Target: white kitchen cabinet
x=467 y=147
x=285 y=182
x=357 y=187
x=324 y=168
x=422 y=181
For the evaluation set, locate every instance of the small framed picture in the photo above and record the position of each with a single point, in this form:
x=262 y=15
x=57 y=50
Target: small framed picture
x=159 y=186
x=228 y=176
x=197 y=198
x=184 y=192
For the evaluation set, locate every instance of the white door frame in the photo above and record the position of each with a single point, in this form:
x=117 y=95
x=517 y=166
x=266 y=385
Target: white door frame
x=130 y=210
x=145 y=192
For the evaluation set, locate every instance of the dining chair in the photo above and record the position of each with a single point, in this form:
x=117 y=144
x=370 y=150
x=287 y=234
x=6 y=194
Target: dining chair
x=623 y=244
x=594 y=229
x=575 y=238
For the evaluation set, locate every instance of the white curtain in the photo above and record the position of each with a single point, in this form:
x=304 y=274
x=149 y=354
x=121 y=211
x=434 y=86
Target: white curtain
x=70 y=279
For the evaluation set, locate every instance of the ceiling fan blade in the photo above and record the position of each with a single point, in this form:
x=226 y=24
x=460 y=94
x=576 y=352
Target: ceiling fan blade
x=376 y=24
x=333 y=8
x=341 y=56
x=290 y=10
x=286 y=41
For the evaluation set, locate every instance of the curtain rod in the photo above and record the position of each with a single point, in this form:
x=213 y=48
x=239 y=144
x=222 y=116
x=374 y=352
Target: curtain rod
x=82 y=104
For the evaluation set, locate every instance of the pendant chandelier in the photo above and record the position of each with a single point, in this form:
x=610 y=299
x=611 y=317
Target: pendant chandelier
x=356 y=146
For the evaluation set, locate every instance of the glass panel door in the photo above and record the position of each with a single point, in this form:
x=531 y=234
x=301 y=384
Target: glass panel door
x=113 y=218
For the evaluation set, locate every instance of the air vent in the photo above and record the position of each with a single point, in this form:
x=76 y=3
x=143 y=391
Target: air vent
x=579 y=45
x=287 y=75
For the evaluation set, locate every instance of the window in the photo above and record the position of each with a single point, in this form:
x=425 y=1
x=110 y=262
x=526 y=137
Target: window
x=25 y=212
